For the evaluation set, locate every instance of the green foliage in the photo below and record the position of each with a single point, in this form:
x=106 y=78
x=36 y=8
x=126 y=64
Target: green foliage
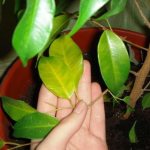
x=2 y=143
x=59 y=23
x=32 y=33
x=71 y=54
x=87 y=9
x=34 y=126
x=113 y=61
x=146 y=101
x=16 y=109
x=116 y=6
x=132 y=134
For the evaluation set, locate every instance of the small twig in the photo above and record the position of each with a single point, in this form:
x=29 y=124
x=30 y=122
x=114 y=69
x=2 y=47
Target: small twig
x=98 y=24
x=19 y=146
x=93 y=102
x=134 y=73
x=145 y=88
x=109 y=25
x=147 y=23
x=128 y=42
x=135 y=45
x=58 y=109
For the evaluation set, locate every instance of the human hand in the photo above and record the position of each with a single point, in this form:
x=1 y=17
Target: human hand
x=81 y=128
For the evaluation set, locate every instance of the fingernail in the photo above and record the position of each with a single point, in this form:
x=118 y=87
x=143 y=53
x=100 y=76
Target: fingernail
x=80 y=107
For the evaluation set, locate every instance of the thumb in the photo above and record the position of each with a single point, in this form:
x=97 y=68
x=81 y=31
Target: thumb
x=60 y=135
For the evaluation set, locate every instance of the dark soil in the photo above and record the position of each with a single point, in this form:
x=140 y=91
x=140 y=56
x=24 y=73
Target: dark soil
x=117 y=130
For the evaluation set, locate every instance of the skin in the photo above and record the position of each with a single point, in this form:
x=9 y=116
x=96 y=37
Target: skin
x=80 y=128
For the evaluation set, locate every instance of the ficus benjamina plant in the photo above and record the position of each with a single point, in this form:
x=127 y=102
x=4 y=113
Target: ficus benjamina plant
x=40 y=29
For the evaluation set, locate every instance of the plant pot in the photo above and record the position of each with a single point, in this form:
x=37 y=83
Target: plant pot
x=23 y=83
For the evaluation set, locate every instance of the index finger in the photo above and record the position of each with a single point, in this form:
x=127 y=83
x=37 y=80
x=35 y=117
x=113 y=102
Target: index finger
x=47 y=101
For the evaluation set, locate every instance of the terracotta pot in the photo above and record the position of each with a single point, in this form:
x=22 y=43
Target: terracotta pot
x=23 y=83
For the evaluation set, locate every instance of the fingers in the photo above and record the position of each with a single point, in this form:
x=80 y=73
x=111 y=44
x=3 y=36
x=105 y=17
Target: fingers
x=70 y=125
x=97 y=123
x=47 y=102
x=65 y=107
x=84 y=89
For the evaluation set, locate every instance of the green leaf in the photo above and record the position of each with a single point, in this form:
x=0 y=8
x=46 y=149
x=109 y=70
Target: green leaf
x=116 y=6
x=87 y=9
x=34 y=126
x=16 y=109
x=32 y=33
x=132 y=134
x=146 y=101
x=2 y=143
x=71 y=54
x=113 y=60
x=56 y=76
x=59 y=23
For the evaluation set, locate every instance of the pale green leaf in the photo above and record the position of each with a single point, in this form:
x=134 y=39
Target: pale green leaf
x=116 y=6
x=71 y=54
x=2 y=143
x=56 y=76
x=146 y=101
x=32 y=34
x=87 y=9
x=132 y=134
x=59 y=23
x=113 y=60
x=16 y=109
x=34 y=126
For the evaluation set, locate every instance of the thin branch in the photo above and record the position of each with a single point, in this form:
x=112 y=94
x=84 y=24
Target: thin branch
x=147 y=23
x=101 y=95
x=128 y=42
x=135 y=45
x=134 y=73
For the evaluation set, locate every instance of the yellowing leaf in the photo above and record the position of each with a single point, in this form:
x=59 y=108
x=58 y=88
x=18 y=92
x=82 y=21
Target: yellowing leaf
x=56 y=76
x=71 y=54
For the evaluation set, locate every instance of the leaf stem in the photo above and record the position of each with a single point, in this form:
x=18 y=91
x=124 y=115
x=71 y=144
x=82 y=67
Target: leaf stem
x=93 y=102
x=131 y=43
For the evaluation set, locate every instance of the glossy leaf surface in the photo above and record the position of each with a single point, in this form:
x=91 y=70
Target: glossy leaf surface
x=34 y=126
x=56 y=76
x=16 y=109
x=116 y=6
x=132 y=134
x=87 y=9
x=32 y=33
x=146 y=101
x=113 y=61
x=59 y=23
x=71 y=54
